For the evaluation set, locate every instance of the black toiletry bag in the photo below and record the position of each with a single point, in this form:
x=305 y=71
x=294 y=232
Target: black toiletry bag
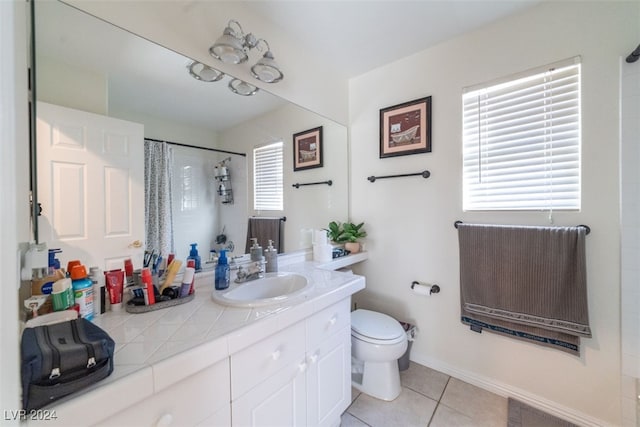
x=62 y=358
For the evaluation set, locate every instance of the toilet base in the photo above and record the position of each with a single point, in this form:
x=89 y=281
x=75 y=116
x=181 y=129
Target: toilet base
x=379 y=379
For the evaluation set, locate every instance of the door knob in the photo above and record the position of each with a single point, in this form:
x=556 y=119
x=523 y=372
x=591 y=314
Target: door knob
x=135 y=244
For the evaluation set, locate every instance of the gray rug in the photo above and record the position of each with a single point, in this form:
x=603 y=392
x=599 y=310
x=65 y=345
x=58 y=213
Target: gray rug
x=522 y=415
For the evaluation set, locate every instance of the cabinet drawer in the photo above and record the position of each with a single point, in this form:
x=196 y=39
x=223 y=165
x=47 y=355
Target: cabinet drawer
x=185 y=403
x=327 y=322
x=256 y=363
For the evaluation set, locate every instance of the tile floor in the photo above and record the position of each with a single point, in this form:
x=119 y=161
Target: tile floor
x=428 y=398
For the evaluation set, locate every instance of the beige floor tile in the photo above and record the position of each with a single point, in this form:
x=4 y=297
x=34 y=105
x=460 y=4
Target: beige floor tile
x=348 y=420
x=484 y=407
x=408 y=409
x=447 y=417
x=424 y=380
x=355 y=393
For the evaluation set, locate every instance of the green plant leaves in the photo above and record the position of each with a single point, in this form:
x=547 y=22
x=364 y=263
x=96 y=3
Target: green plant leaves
x=347 y=232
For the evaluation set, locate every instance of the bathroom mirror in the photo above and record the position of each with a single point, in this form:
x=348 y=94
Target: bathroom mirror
x=86 y=64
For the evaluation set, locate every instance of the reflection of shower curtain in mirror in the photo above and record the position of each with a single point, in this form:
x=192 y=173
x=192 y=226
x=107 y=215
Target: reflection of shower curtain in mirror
x=158 y=164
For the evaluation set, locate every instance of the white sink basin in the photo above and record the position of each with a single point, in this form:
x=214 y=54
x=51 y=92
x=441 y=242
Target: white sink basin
x=274 y=288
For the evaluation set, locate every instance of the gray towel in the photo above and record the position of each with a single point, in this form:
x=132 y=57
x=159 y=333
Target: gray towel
x=265 y=229
x=521 y=275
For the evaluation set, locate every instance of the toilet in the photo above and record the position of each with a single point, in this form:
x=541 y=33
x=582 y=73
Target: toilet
x=377 y=342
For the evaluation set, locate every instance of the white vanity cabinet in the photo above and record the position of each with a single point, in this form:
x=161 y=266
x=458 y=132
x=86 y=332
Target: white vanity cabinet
x=200 y=399
x=297 y=377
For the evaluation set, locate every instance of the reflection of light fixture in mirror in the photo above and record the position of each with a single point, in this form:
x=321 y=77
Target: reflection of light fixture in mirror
x=242 y=88
x=203 y=72
x=233 y=48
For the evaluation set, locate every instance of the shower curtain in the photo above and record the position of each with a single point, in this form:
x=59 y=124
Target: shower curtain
x=158 y=169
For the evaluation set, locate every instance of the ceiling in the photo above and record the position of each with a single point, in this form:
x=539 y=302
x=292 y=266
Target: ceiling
x=361 y=35
x=357 y=36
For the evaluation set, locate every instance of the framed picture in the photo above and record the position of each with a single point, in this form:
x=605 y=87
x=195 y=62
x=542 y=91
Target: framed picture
x=406 y=128
x=307 y=149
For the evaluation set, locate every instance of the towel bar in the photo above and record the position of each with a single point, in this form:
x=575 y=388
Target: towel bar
x=424 y=174
x=297 y=185
x=587 y=228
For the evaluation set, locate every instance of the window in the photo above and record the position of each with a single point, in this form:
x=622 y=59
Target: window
x=521 y=141
x=267 y=177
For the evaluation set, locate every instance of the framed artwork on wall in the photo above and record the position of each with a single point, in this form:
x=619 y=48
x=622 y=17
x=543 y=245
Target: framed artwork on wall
x=307 y=149
x=406 y=128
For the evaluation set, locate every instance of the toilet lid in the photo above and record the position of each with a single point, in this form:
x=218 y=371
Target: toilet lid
x=375 y=325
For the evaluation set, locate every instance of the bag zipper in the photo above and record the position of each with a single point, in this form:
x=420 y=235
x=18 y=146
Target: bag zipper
x=55 y=368
x=91 y=360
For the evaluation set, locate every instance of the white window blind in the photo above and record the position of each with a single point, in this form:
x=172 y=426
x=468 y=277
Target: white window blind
x=521 y=142
x=267 y=177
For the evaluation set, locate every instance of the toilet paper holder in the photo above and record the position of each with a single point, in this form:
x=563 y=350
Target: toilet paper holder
x=433 y=289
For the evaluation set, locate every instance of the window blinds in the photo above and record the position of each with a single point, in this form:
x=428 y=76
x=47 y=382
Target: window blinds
x=521 y=142
x=267 y=177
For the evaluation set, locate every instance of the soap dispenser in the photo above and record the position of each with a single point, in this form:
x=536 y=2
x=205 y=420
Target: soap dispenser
x=271 y=257
x=193 y=254
x=222 y=272
x=256 y=250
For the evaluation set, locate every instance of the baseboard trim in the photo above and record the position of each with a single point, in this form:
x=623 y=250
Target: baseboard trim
x=506 y=390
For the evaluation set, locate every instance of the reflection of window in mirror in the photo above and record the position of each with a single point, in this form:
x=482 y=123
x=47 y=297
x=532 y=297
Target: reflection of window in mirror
x=268 y=177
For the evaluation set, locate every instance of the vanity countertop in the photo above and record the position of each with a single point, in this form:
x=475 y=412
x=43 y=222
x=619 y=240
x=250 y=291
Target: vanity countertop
x=157 y=349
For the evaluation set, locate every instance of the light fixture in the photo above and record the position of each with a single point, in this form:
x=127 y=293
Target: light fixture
x=233 y=47
x=243 y=88
x=203 y=72
x=266 y=69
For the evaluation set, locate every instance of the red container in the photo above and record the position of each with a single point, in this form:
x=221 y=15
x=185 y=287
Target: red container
x=149 y=295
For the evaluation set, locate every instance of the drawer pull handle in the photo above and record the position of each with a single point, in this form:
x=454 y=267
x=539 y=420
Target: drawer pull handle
x=302 y=367
x=276 y=354
x=333 y=320
x=165 y=420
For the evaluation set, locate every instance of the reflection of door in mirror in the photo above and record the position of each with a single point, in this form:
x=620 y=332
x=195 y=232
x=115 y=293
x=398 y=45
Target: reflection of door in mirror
x=90 y=185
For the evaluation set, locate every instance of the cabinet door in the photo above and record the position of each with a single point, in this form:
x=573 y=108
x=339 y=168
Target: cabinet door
x=280 y=400
x=329 y=380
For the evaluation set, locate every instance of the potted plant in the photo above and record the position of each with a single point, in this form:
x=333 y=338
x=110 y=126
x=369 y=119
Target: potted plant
x=334 y=232
x=350 y=235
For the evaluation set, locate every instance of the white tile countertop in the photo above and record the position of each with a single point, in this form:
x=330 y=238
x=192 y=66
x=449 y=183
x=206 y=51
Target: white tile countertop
x=156 y=349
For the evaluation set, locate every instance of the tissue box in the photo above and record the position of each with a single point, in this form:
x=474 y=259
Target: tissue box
x=43 y=286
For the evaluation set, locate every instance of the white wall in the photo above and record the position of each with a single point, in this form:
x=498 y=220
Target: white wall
x=309 y=206
x=630 y=244
x=14 y=187
x=72 y=87
x=410 y=220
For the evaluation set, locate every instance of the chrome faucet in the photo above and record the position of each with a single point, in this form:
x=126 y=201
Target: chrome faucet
x=255 y=270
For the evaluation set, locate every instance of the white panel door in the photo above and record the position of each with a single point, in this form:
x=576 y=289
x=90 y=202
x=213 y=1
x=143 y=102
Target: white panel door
x=90 y=186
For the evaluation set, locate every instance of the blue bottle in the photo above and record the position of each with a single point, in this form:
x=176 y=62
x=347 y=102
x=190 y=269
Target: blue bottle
x=222 y=272
x=193 y=254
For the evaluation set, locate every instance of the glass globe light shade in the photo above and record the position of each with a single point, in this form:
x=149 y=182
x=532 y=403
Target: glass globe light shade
x=243 y=88
x=266 y=69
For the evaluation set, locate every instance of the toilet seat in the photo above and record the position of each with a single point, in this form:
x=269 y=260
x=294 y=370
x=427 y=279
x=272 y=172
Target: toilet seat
x=376 y=328
x=377 y=341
